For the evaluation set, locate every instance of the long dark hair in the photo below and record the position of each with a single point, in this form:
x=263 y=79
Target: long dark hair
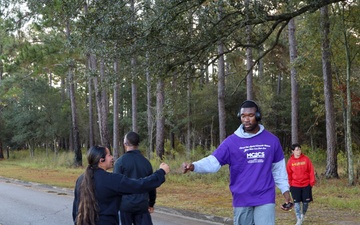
x=88 y=208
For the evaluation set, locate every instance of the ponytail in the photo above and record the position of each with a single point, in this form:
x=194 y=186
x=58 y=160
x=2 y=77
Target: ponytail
x=88 y=208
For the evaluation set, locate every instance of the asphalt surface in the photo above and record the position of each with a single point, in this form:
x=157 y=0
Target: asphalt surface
x=28 y=203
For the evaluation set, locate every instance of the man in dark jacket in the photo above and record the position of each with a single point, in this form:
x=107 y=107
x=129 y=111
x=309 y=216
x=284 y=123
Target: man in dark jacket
x=135 y=209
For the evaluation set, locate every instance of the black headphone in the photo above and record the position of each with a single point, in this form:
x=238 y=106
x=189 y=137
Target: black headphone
x=257 y=113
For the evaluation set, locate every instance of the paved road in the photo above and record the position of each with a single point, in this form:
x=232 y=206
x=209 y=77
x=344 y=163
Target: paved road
x=23 y=203
x=29 y=204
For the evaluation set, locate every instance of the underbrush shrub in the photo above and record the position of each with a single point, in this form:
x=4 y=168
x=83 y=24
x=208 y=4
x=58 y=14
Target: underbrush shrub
x=18 y=154
x=46 y=159
x=174 y=152
x=67 y=158
x=342 y=163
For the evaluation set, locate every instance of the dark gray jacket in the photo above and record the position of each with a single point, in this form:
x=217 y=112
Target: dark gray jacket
x=134 y=165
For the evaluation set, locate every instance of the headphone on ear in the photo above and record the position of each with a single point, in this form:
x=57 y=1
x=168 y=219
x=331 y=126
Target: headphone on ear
x=257 y=113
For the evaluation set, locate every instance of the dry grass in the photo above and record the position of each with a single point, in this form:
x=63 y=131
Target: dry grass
x=55 y=177
x=196 y=197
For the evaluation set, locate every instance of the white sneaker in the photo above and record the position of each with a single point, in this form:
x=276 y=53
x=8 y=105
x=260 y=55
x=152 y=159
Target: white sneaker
x=298 y=221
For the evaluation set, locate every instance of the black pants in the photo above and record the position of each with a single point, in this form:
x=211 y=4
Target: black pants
x=301 y=194
x=135 y=219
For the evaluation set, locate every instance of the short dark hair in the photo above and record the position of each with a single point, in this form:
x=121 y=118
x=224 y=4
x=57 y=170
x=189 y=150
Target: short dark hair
x=132 y=138
x=293 y=146
x=249 y=104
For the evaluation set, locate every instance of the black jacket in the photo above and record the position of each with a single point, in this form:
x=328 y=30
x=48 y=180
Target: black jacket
x=134 y=165
x=108 y=189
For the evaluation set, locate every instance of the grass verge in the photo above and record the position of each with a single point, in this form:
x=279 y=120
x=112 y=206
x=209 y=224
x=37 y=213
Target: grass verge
x=207 y=194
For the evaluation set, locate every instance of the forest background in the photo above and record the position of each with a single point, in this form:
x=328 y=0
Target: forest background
x=76 y=73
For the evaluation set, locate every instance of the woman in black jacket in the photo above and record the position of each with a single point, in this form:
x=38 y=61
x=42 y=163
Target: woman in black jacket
x=97 y=192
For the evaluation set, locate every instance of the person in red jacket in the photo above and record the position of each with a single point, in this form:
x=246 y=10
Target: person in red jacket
x=301 y=175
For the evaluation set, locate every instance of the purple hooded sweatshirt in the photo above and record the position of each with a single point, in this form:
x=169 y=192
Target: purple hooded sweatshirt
x=256 y=163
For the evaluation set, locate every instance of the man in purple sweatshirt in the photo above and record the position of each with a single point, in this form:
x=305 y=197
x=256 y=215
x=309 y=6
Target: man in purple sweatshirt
x=256 y=163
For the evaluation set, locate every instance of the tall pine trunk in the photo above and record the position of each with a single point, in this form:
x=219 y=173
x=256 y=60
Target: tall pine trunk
x=105 y=106
x=116 y=139
x=90 y=71
x=294 y=84
x=74 y=123
x=331 y=160
x=348 y=116
x=75 y=130
x=90 y=104
x=133 y=79
x=102 y=103
x=188 y=122
x=160 y=119
x=150 y=123
x=221 y=85
x=133 y=96
x=249 y=60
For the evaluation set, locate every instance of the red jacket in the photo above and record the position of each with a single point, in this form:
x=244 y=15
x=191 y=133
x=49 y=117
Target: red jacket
x=300 y=171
